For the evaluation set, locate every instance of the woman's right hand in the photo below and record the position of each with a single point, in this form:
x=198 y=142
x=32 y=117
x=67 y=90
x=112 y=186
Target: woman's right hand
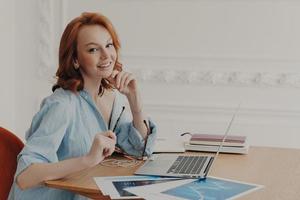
x=102 y=147
x=37 y=173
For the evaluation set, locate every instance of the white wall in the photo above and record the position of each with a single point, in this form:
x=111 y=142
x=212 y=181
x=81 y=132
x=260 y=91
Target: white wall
x=7 y=67
x=30 y=85
x=195 y=60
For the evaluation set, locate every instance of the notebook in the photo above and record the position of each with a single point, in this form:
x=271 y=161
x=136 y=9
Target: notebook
x=185 y=166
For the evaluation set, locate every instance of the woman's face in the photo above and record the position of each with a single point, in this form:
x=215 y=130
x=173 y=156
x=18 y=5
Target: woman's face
x=96 y=53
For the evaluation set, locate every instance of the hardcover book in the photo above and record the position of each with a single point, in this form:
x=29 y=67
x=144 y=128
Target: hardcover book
x=213 y=148
x=207 y=139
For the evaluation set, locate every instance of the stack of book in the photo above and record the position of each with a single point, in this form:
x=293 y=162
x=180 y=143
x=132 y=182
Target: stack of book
x=211 y=143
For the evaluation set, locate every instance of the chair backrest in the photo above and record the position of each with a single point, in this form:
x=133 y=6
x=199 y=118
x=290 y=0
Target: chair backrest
x=10 y=147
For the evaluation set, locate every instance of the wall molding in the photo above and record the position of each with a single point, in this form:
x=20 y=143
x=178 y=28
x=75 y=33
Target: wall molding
x=215 y=71
x=218 y=78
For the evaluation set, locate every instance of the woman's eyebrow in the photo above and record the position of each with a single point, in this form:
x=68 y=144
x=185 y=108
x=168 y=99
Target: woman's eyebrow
x=94 y=43
x=91 y=43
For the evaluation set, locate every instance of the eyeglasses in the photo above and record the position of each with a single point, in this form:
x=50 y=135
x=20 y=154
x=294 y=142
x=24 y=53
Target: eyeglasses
x=146 y=139
x=123 y=108
x=120 y=151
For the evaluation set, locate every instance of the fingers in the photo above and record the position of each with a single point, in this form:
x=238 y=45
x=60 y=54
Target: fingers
x=110 y=151
x=108 y=142
x=114 y=73
x=129 y=78
x=118 y=79
x=107 y=152
x=103 y=146
x=123 y=79
x=111 y=135
x=112 y=77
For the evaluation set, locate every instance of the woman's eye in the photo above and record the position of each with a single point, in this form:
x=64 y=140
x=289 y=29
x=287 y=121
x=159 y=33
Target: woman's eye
x=93 y=50
x=109 y=45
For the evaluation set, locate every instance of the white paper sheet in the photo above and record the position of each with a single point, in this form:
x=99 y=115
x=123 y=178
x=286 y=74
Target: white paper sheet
x=174 y=144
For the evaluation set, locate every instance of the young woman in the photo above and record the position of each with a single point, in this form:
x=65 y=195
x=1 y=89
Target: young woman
x=81 y=122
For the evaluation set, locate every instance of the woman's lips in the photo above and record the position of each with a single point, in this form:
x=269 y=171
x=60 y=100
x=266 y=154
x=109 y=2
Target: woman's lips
x=103 y=66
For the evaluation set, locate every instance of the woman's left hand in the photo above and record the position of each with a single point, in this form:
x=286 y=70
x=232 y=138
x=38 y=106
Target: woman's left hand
x=125 y=82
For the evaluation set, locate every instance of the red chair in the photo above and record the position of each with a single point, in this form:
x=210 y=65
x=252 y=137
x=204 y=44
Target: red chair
x=10 y=147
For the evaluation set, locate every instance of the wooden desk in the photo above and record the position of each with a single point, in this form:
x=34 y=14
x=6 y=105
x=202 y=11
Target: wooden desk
x=278 y=169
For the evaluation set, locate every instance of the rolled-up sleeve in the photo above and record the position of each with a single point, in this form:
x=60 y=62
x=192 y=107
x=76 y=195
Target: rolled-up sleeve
x=45 y=135
x=131 y=141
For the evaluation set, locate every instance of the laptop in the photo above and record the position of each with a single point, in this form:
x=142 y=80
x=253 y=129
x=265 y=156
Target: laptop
x=183 y=166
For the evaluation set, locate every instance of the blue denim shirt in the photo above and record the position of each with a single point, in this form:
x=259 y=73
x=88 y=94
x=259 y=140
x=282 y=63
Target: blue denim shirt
x=65 y=128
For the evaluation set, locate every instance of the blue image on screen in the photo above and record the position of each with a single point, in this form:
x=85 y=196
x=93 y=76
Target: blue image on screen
x=209 y=189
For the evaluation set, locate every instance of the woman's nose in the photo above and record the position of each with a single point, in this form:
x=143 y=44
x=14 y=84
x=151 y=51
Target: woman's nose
x=104 y=54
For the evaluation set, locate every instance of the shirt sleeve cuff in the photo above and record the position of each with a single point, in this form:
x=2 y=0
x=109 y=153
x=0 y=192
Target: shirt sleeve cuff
x=138 y=141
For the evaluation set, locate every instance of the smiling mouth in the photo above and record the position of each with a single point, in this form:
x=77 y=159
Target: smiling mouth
x=105 y=65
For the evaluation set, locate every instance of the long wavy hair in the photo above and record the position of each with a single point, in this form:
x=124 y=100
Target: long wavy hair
x=67 y=76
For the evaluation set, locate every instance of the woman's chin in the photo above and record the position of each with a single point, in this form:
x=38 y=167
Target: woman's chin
x=105 y=73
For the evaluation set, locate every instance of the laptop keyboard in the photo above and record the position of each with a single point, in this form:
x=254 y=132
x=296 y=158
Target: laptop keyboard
x=187 y=165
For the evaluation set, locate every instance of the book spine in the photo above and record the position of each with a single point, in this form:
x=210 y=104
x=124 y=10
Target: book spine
x=217 y=143
x=206 y=148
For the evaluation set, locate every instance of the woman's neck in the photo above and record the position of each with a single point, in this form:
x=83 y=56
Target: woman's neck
x=92 y=88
